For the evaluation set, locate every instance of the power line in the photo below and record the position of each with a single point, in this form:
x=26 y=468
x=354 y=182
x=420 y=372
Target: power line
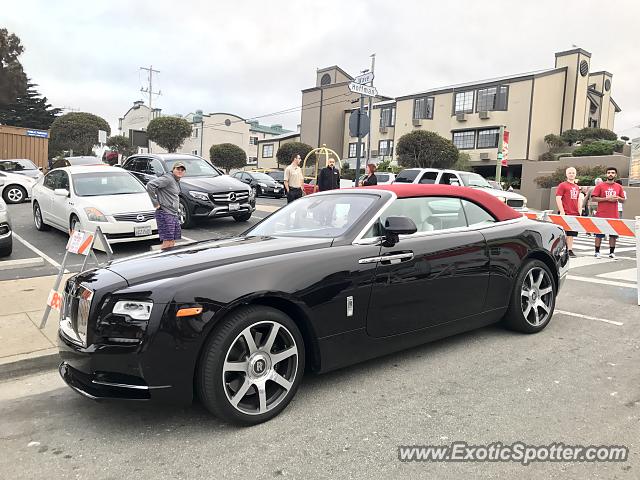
x=149 y=89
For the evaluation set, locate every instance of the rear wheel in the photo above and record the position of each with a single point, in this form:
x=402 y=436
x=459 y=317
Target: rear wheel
x=533 y=298
x=251 y=366
x=37 y=218
x=14 y=194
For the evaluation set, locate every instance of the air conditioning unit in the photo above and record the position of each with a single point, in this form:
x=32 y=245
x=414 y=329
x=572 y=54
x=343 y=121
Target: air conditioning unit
x=417 y=122
x=374 y=153
x=461 y=117
x=484 y=114
x=383 y=129
x=484 y=156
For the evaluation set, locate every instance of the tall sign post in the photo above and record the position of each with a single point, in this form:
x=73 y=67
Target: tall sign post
x=359 y=86
x=503 y=152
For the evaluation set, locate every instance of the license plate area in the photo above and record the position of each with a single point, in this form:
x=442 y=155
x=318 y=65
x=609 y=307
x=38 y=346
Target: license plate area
x=234 y=206
x=142 y=231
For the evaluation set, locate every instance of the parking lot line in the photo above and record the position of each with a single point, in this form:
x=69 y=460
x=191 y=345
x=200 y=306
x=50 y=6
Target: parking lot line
x=36 y=250
x=587 y=317
x=600 y=281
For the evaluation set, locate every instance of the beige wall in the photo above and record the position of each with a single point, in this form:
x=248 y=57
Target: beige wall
x=574 y=112
x=273 y=161
x=546 y=115
x=137 y=118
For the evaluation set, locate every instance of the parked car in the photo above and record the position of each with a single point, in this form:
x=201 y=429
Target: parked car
x=277 y=175
x=384 y=178
x=21 y=166
x=87 y=197
x=6 y=232
x=454 y=177
x=329 y=280
x=205 y=191
x=73 y=161
x=15 y=188
x=495 y=184
x=309 y=186
x=261 y=184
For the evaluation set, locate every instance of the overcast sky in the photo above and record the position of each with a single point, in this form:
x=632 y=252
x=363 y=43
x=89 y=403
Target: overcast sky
x=252 y=58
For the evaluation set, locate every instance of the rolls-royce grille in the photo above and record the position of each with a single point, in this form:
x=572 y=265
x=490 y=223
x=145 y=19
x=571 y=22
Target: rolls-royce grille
x=230 y=197
x=515 y=203
x=134 y=217
x=74 y=315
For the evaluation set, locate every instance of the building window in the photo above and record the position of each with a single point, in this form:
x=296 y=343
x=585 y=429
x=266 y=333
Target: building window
x=267 y=150
x=353 y=150
x=488 y=138
x=194 y=133
x=252 y=160
x=463 y=102
x=385 y=148
x=464 y=140
x=194 y=152
x=423 y=108
x=388 y=117
x=492 y=98
x=253 y=140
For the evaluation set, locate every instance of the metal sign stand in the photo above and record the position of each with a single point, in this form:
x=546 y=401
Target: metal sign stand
x=55 y=300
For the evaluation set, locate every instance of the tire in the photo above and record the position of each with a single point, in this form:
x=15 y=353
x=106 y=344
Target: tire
x=256 y=191
x=242 y=218
x=261 y=396
x=37 y=218
x=186 y=219
x=14 y=194
x=530 y=309
x=74 y=223
x=6 y=250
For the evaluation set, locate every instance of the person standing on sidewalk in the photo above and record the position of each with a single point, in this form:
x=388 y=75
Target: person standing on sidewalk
x=568 y=201
x=608 y=194
x=293 y=179
x=329 y=177
x=165 y=196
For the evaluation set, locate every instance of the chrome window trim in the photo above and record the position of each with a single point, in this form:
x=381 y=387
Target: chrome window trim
x=359 y=238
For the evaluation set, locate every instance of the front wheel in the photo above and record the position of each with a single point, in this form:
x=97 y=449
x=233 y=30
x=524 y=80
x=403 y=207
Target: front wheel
x=251 y=365
x=7 y=249
x=14 y=194
x=533 y=298
x=186 y=219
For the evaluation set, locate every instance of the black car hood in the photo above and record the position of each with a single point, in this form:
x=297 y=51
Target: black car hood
x=222 y=183
x=209 y=254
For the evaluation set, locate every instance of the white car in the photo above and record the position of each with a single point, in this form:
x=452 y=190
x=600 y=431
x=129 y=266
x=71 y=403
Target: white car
x=87 y=197
x=15 y=188
x=384 y=178
x=6 y=234
x=455 y=177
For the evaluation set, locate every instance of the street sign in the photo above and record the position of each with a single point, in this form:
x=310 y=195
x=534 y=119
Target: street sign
x=38 y=133
x=102 y=136
x=365 y=78
x=505 y=148
x=364 y=124
x=363 y=89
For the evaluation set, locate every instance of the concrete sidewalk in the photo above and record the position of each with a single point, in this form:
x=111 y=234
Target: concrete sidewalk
x=23 y=346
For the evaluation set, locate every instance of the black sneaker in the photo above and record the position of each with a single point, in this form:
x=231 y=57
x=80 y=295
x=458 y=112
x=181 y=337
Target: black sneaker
x=571 y=254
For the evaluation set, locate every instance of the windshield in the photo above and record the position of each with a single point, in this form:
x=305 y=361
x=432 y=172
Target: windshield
x=84 y=161
x=106 y=183
x=474 y=180
x=262 y=177
x=196 y=167
x=318 y=216
x=277 y=175
x=17 y=165
x=406 y=176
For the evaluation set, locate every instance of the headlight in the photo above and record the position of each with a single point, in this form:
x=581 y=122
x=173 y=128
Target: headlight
x=199 y=195
x=134 y=309
x=263 y=185
x=95 y=215
x=251 y=193
x=502 y=199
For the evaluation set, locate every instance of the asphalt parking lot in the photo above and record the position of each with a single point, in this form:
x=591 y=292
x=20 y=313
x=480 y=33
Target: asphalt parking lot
x=577 y=382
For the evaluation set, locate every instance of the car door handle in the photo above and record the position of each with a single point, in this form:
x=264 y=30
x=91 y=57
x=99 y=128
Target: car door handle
x=392 y=258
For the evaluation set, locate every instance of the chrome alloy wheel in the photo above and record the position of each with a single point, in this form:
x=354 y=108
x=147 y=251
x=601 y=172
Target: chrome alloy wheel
x=182 y=214
x=537 y=296
x=260 y=367
x=15 y=195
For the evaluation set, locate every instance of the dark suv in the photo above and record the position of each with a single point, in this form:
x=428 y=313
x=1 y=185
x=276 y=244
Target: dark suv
x=205 y=191
x=261 y=184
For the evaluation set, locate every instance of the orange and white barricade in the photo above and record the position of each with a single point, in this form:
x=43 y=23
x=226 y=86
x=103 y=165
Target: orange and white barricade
x=596 y=225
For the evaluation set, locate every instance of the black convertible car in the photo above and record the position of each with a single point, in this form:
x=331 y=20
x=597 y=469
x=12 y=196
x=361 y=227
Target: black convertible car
x=329 y=280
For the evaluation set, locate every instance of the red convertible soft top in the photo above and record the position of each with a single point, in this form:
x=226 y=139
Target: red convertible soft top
x=498 y=209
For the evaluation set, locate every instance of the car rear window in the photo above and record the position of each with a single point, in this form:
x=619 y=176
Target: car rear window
x=407 y=176
x=382 y=177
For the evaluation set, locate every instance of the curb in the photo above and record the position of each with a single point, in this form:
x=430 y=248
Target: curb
x=30 y=365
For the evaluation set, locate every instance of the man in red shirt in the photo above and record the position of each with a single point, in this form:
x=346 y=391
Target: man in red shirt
x=568 y=201
x=607 y=195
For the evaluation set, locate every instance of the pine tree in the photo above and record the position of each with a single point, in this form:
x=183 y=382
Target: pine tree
x=30 y=110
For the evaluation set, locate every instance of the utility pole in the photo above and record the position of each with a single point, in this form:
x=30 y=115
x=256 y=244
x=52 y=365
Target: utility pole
x=149 y=89
x=373 y=66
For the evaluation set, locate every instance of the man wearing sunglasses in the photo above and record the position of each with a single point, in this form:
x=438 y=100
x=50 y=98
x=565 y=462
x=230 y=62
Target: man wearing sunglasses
x=165 y=196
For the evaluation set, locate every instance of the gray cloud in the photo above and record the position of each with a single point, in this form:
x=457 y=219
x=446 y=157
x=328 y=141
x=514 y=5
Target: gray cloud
x=253 y=58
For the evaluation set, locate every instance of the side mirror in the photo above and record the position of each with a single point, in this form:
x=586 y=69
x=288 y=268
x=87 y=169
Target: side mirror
x=396 y=226
x=62 y=192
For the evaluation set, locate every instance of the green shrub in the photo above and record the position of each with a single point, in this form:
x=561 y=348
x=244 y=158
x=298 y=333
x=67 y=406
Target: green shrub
x=596 y=148
x=554 y=141
x=547 y=157
x=570 y=136
x=598 y=134
x=585 y=175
